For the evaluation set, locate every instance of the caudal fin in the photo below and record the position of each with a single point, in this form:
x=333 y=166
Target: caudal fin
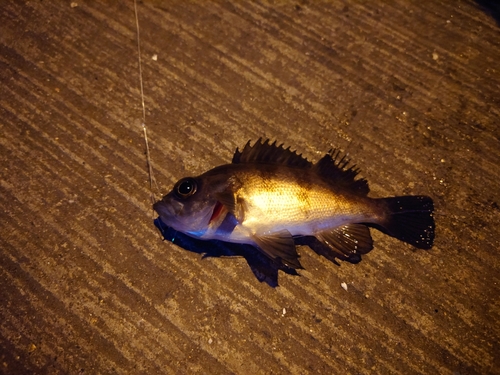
x=409 y=219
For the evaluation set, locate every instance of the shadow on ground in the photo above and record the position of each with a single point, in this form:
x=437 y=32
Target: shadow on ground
x=490 y=7
x=264 y=268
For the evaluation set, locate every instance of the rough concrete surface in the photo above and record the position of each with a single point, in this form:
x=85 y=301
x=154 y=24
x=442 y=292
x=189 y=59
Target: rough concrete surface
x=410 y=89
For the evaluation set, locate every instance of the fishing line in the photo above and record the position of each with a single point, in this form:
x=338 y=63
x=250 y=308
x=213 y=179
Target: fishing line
x=152 y=180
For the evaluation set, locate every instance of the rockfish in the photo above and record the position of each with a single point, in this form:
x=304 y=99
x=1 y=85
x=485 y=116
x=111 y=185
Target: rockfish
x=268 y=195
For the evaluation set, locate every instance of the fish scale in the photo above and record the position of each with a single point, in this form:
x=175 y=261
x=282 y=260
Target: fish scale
x=286 y=201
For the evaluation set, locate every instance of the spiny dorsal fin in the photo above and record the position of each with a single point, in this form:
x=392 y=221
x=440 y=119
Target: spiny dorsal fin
x=334 y=168
x=270 y=153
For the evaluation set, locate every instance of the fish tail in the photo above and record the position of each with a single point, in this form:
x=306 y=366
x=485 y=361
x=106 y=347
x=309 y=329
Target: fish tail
x=409 y=219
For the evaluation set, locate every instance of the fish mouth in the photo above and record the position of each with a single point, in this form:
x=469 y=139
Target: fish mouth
x=165 y=210
x=175 y=215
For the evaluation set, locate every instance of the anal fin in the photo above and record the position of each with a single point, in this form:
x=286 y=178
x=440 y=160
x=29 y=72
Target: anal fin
x=279 y=245
x=347 y=239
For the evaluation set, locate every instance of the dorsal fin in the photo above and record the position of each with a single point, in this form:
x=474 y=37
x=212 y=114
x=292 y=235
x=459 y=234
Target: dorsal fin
x=334 y=167
x=270 y=153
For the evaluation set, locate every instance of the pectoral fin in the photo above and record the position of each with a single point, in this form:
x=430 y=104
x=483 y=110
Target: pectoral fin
x=279 y=245
x=347 y=239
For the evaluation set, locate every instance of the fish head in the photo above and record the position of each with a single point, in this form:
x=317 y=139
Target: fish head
x=191 y=204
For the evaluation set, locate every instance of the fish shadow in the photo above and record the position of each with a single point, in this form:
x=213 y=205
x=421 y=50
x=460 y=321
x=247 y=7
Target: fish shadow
x=264 y=268
x=490 y=7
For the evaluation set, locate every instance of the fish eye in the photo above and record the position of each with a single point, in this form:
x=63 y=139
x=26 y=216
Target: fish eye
x=185 y=187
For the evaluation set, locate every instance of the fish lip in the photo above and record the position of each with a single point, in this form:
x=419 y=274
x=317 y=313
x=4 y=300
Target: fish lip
x=165 y=209
x=157 y=206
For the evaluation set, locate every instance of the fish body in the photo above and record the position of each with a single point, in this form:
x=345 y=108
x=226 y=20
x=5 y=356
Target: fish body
x=268 y=195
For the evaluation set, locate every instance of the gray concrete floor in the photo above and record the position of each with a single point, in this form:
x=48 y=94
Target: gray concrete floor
x=410 y=89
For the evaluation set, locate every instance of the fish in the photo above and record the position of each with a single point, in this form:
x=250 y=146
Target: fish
x=269 y=196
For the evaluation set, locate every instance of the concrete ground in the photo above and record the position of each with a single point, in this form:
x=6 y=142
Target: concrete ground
x=410 y=89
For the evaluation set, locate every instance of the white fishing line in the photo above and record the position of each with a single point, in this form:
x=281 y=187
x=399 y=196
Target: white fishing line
x=152 y=180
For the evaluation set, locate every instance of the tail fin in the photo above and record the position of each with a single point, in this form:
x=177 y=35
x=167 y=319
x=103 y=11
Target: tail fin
x=409 y=219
